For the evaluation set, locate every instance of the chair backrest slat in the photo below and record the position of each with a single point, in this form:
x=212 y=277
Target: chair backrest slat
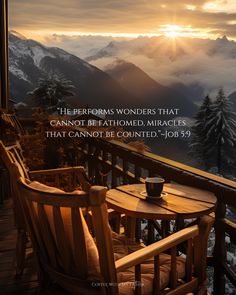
x=46 y=235
x=80 y=253
x=62 y=240
x=34 y=227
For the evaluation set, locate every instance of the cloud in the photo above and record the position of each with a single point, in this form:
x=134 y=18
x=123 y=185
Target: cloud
x=42 y=19
x=128 y=16
x=210 y=64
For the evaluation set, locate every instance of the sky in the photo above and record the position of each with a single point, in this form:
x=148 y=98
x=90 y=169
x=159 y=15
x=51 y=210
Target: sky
x=189 y=18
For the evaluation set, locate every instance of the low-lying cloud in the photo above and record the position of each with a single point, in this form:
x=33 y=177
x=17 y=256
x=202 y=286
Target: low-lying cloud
x=210 y=64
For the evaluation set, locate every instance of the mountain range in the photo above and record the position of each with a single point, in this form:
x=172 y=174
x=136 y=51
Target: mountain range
x=195 y=66
x=135 y=81
x=30 y=60
x=161 y=46
x=120 y=83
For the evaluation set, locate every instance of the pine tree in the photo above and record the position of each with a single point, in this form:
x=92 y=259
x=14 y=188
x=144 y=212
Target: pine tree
x=51 y=91
x=220 y=141
x=199 y=132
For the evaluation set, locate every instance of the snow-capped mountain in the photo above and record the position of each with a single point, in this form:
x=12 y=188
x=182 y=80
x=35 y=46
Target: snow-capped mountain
x=30 y=60
x=210 y=64
x=156 y=47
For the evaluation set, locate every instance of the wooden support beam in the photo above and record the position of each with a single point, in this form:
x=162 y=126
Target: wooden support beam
x=4 y=84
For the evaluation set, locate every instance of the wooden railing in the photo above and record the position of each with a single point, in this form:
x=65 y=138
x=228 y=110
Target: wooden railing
x=114 y=163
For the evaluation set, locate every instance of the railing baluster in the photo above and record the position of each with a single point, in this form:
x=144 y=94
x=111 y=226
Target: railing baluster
x=114 y=173
x=138 y=286
x=173 y=272
x=189 y=260
x=137 y=173
x=156 y=279
x=104 y=173
x=90 y=162
x=125 y=170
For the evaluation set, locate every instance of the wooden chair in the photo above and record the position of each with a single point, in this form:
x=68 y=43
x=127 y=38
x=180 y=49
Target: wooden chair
x=12 y=120
x=67 y=178
x=68 y=256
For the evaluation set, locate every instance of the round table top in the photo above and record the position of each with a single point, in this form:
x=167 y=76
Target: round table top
x=179 y=202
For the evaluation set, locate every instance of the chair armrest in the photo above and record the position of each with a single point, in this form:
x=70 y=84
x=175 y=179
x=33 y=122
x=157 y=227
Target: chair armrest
x=157 y=248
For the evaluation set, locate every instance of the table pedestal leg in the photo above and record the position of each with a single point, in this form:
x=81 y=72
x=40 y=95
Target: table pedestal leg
x=130 y=227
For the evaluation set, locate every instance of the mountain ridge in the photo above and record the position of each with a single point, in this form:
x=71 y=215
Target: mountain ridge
x=30 y=60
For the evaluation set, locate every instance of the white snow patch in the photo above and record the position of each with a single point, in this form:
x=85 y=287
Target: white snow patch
x=37 y=53
x=18 y=73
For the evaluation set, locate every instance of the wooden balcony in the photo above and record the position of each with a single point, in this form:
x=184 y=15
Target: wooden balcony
x=113 y=163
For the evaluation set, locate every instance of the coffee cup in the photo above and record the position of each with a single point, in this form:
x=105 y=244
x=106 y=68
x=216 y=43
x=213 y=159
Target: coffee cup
x=154 y=186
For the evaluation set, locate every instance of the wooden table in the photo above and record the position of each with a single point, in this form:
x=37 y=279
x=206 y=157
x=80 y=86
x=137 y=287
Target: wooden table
x=181 y=202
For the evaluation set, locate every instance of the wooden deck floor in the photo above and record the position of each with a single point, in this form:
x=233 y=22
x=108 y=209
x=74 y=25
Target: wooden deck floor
x=9 y=285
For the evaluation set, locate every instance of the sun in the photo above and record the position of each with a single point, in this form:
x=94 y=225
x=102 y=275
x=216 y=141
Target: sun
x=172 y=31
x=172 y=34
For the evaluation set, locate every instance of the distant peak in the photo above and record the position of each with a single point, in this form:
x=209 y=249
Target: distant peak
x=223 y=38
x=18 y=35
x=111 y=45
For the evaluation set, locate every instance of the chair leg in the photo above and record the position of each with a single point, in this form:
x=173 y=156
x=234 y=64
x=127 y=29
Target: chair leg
x=20 y=252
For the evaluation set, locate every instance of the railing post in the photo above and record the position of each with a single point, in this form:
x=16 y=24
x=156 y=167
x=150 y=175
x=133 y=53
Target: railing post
x=219 y=250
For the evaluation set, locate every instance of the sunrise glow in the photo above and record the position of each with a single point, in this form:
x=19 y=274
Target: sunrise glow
x=172 y=31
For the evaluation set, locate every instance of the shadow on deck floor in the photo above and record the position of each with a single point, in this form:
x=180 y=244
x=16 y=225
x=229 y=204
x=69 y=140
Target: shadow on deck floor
x=9 y=285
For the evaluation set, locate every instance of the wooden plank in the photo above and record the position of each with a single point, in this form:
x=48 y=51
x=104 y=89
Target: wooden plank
x=188 y=192
x=132 y=206
x=181 y=205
